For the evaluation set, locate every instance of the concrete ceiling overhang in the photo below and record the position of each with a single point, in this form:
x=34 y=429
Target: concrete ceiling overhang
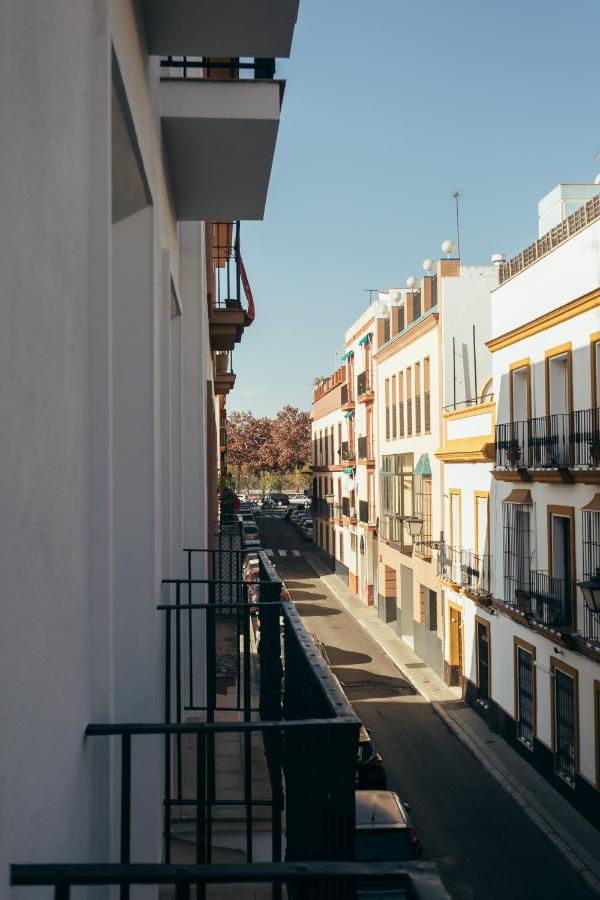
x=220 y=27
x=220 y=141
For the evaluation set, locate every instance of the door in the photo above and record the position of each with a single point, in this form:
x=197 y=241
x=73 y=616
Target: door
x=483 y=661
x=406 y=626
x=561 y=569
x=456 y=653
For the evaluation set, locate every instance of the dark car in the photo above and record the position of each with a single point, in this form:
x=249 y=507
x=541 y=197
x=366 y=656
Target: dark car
x=370 y=772
x=384 y=830
x=278 y=500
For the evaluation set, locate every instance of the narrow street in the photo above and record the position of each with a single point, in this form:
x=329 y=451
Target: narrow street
x=484 y=846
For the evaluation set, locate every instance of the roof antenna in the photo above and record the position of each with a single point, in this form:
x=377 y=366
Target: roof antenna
x=456 y=196
x=370 y=292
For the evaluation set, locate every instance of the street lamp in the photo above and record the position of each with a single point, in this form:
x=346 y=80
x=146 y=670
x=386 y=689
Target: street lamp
x=591 y=592
x=414 y=526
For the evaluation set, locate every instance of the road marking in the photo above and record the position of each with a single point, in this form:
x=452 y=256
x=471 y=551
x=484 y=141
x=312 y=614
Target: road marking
x=269 y=552
x=282 y=552
x=295 y=553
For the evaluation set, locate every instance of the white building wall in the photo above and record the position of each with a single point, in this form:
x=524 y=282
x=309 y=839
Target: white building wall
x=99 y=386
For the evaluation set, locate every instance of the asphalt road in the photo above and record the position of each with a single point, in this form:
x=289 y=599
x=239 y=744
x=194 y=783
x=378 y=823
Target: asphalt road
x=482 y=843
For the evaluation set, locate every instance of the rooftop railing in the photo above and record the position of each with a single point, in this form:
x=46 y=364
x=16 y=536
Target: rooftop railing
x=574 y=223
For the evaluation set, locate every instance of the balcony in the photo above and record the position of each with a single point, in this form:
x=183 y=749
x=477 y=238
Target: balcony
x=364 y=387
x=227 y=317
x=348 y=453
x=220 y=27
x=223 y=437
x=347 y=397
x=563 y=441
x=465 y=569
x=323 y=508
x=348 y=511
x=365 y=448
x=543 y=599
x=220 y=135
x=224 y=376
x=366 y=512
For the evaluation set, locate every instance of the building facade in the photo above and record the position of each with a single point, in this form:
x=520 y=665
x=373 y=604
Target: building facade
x=544 y=642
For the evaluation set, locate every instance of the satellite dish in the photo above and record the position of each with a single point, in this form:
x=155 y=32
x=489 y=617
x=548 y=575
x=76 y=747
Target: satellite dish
x=428 y=265
x=411 y=282
x=448 y=247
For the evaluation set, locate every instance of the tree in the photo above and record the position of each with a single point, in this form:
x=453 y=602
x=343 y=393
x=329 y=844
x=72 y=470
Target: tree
x=291 y=436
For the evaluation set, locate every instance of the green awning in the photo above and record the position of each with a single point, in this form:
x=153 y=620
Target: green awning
x=349 y=414
x=365 y=339
x=423 y=466
x=348 y=471
x=347 y=355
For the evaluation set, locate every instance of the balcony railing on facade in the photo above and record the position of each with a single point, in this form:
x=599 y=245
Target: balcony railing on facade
x=558 y=441
x=366 y=512
x=574 y=223
x=324 y=509
x=216 y=68
x=365 y=448
x=542 y=598
x=348 y=453
x=348 y=508
x=466 y=569
x=347 y=396
x=364 y=387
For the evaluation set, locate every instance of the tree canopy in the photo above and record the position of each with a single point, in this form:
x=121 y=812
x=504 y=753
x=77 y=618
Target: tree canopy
x=259 y=445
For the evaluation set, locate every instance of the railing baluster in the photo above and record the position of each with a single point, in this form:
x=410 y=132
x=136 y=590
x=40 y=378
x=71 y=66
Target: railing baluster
x=125 y=854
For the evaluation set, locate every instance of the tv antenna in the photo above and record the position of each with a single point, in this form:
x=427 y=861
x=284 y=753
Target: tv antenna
x=370 y=292
x=457 y=197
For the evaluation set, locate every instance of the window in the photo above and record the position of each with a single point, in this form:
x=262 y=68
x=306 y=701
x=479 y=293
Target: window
x=353 y=543
x=590 y=529
x=426 y=397
x=483 y=660
x=517 y=547
x=396 y=494
x=423 y=507
x=558 y=380
x=401 y=404
x=520 y=390
x=481 y=523
x=339 y=447
x=564 y=717
x=525 y=693
x=394 y=410
x=595 y=368
x=387 y=409
x=417 y=398
x=455 y=518
x=408 y=403
x=432 y=610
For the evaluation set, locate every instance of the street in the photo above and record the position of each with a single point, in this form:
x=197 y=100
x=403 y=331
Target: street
x=483 y=844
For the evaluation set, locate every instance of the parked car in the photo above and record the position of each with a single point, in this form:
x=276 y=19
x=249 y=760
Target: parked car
x=306 y=529
x=384 y=830
x=370 y=772
x=278 y=499
x=250 y=535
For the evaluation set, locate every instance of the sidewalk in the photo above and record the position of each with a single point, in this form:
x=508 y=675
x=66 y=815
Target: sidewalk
x=571 y=835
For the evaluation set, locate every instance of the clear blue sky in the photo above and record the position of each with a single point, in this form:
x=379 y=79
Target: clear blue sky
x=390 y=106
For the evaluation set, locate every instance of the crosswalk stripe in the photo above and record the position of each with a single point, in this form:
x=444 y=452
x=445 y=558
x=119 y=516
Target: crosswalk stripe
x=269 y=552
x=295 y=553
x=282 y=552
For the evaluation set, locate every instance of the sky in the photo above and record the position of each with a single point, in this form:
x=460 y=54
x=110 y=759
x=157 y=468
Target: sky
x=390 y=107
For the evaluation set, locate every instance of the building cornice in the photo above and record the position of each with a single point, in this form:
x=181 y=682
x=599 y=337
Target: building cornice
x=407 y=337
x=548 y=320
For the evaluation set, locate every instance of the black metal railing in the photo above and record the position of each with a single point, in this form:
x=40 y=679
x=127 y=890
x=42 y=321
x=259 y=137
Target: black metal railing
x=434 y=290
x=418 y=880
x=416 y=305
x=223 y=436
x=585 y=438
x=546 y=600
x=363 y=384
x=561 y=440
x=323 y=508
x=226 y=265
x=218 y=662
x=465 y=568
x=363 y=511
x=345 y=506
x=231 y=68
x=365 y=447
x=590 y=628
x=223 y=362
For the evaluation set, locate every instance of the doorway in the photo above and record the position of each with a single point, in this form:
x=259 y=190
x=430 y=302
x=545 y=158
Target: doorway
x=456 y=646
